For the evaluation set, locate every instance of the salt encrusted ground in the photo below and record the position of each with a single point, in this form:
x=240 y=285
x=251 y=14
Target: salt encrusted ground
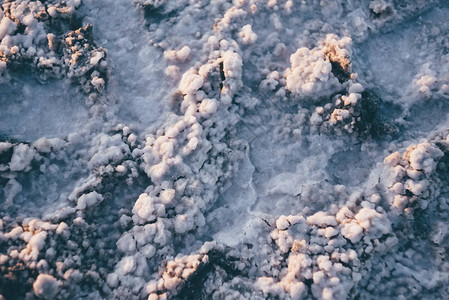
x=224 y=150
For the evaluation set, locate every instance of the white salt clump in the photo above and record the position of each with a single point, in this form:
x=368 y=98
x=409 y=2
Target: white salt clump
x=120 y=169
x=52 y=41
x=176 y=272
x=167 y=196
x=426 y=84
x=272 y=81
x=321 y=219
x=231 y=15
x=398 y=188
x=269 y=287
x=282 y=223
x=356 y=88
x=416 y=187
x=351 y=99
x=148 y=208
x=98 y=83
x=207 y=107
x=412 y=172
x=126 y=265
x=108 y=149
x=126 y=243
x=339 y=115
x=352 y=231
x=34 y=246
x=45 y=145
x=22 y=157
x=96 y=57
x=310 y=74
x=148 y=251
x=173 y=72
x=46 y=286
x=392 y=159
x=144 y=207
x=14 y=233
x=62 y=227
x=190 y=82
x=232 y=65
x=289 y=4
x=38 y=240
x=4 y=146
x=423 y=158
x=181 y=55
x=183 y=223
x=112 y=280
x=7 y=26
x=247 y=36
x=88 y=200
x=330 y=232
x=35 y=44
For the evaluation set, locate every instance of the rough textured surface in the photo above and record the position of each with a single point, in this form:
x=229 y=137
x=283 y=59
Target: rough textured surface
x=224 y=149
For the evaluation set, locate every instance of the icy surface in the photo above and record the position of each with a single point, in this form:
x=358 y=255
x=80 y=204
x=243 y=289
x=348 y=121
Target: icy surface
x=224 y=149
x=31 y=110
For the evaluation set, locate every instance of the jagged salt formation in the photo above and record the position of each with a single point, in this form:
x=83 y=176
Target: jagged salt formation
x=120 y=211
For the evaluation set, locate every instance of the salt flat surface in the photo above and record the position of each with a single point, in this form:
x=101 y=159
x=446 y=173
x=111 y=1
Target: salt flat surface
x=138 y=83
x=224 y=149
x=31 y=110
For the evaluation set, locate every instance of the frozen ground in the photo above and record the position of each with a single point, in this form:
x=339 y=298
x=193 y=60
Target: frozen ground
x=244 y=149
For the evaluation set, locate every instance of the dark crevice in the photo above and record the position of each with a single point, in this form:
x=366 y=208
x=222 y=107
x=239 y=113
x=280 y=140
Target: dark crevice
x=193 y=288
x=339 y=72
x=157 y=13
x=373 y=122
